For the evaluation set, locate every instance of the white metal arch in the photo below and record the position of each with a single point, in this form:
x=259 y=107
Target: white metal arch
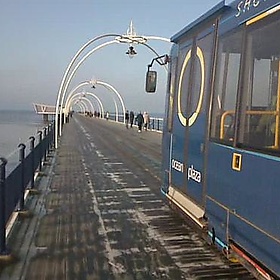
x=94 y=82
x=74 y=97
x=101 y=108
x=82 y=99
x=130 y=38
x=79 y=64
x=110 y=87
x=80 y=105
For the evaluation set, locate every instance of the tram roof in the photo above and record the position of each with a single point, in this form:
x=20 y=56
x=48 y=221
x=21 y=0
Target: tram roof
x=232 y=13
x=214 y=12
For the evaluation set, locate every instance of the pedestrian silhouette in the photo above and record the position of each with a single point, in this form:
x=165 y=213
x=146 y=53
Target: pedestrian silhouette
x=126 y=118
x=131 y=118
x=146 y=121
x=140 y=121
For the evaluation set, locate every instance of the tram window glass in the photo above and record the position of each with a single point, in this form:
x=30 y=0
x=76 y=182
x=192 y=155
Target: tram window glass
x=202 y=64
x=226 y=85
x=259 y=119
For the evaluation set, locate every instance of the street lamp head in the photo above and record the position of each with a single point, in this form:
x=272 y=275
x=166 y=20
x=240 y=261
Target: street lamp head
x=92 y=82
x=131 y=52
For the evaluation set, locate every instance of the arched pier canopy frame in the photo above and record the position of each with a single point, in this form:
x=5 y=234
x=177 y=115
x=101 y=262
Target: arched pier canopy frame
x=100 y=104
x=93 y=84
x=129 y=38
x=113 y=90
x=80 y=106
x=69 y=104
x=82 y=99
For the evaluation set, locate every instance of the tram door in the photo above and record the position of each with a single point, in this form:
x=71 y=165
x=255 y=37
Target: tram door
x=194 y=88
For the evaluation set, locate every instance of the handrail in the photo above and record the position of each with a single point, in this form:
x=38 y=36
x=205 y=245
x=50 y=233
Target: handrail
x=14 y=184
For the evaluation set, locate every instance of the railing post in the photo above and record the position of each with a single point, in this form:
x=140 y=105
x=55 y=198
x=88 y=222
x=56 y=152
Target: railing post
x=49 y=138
x=22 y=188
x=158 y=124
x=3 y=248
x=46 y=144
x=40 y=150
x=32 y=140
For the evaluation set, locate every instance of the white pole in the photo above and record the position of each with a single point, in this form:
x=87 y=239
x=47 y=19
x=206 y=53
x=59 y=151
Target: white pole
x=75 y=70
x=72 y=91
x=81 y=61
x=77 y=103
x=128 y=38
x=58 y=103
x=82 y=98
x=101 y=108
x=116 y=111
x=116 y=92
x=100 y=105
x=158 y=38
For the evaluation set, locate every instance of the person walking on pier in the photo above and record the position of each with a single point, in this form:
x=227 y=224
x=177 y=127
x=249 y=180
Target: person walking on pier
x=126 y=118
x=146 y=121
x=131 y=118
x=107 y=115
x=140 y=121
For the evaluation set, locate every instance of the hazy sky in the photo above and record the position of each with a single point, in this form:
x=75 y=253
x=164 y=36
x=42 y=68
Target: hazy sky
x=39 y=38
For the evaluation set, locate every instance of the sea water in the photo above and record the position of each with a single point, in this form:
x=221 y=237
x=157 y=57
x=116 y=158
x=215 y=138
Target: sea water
x=16 y=127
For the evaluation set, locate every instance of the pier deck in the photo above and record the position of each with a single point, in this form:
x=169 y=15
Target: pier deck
x=100 y=215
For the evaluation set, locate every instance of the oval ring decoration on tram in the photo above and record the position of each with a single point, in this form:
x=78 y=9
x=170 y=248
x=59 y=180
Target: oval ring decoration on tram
x=191 y=120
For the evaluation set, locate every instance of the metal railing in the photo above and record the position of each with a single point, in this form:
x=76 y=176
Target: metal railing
x=14 y=183
x=155 y=123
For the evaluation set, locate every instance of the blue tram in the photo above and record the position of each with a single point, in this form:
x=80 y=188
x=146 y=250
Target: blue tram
x=221 y=137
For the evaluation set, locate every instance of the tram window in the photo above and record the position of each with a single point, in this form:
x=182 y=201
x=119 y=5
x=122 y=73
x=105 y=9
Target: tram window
x=226 y=83
x=259 y=118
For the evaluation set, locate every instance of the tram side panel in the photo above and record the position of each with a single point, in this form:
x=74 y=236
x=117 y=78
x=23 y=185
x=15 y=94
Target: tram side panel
x=242 y=187
x=243 y=205
x=243 y=184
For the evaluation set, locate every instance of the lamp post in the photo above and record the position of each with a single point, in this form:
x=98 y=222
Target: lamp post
x=78 y=104
x=111 y=88
x=129 y=38
x=83 y=100
x=93 y=83
x=69 y=103
x=80 y=63
x=100 y=105
x=75 y=97
x=82 y=105
x=60 y=110
x=66 y=73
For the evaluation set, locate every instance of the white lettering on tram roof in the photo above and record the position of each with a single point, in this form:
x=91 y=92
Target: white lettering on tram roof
x=246 y=5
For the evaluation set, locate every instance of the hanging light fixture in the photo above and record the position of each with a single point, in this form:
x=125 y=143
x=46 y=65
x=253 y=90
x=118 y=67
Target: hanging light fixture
x=131 y=52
